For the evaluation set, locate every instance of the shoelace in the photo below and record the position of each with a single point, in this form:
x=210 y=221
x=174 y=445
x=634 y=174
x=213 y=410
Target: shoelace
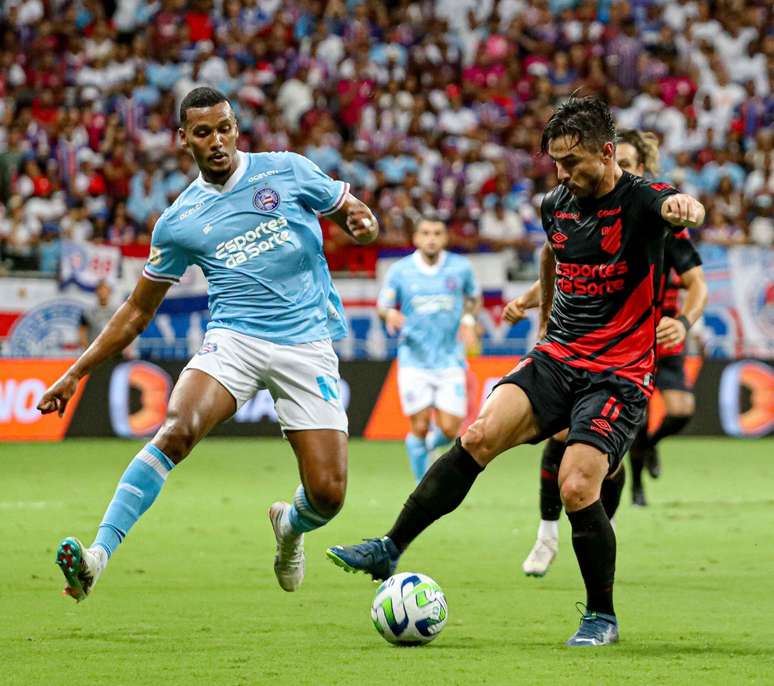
x=588 y=627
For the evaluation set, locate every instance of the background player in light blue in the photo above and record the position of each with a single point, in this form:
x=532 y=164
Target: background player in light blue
x=250 y=223
x=426 y=297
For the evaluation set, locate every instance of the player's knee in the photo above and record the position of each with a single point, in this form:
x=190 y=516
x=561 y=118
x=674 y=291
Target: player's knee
x=578 y=490
x=327 y=496
x=176 y=438
x=450 y=426
x=420 y=426
x=479 y=441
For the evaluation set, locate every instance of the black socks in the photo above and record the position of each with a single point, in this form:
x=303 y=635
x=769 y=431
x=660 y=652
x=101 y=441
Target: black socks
x=671 y=425
x=442 y=489
x=550 y=502
x=594 y=542
x=612 y=487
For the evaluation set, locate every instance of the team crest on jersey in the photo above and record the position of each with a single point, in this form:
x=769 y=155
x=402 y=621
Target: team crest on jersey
x=266 y=200
x=611 y=237
x=451 y=284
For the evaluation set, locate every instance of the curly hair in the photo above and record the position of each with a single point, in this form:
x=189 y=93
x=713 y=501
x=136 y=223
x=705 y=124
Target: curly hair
x=645 y=144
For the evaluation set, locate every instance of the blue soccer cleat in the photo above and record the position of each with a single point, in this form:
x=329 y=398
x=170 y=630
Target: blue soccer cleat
x=375 y=556
x=596 y=629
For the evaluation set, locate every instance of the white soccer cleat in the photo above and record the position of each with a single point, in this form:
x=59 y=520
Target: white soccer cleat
x=289 y=560
x=81 y=567
x=540 y=557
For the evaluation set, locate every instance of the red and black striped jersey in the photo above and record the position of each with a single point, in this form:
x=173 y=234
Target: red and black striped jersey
x=609 y=255
x=679 y=257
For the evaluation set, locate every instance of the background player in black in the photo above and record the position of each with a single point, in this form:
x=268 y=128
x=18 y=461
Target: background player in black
x=637 y=153
x=592 y=369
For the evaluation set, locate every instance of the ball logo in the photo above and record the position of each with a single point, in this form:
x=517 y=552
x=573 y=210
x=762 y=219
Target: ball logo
x=152 y=384
x=266 y=200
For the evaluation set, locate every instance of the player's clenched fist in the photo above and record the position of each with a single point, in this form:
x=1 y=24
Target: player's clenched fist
x=683 y=210
x=362 y=225
x=670 y=332
x=55 y=399
x=515 y=311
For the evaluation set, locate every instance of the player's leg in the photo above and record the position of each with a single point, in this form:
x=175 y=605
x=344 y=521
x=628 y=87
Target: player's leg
x=451 y=404
x=583 y=469
x=679 y=405
x=604 y=420
x=304 y=381
x=638 y=455
x=506 y=420
x=415 y=389
x=547 y=542
x=612 y=488
x=416 y=447
x=197 y=404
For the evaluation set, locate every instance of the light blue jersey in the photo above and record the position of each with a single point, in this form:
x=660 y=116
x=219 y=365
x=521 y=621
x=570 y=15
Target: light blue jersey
x=431 y=298
x=259 y=243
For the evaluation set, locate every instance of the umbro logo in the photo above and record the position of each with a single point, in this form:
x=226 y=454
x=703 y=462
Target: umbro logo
x=558 y=240
x=601 y=426
x=207 y=228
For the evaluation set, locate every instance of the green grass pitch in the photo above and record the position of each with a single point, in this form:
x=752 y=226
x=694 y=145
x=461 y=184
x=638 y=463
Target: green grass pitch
x=190 y=598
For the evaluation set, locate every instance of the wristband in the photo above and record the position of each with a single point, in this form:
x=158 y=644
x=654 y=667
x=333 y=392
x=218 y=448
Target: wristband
x=468 y=319
x=682 y=318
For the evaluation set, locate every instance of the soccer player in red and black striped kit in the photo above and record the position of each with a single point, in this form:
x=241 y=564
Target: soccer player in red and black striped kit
x=592 y=370
x=637 y=153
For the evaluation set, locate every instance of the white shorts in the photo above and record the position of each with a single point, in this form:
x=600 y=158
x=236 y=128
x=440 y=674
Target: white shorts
x=303 y=379
x=443 y=389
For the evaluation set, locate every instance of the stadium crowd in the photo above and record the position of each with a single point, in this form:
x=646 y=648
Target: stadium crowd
x=425 y=107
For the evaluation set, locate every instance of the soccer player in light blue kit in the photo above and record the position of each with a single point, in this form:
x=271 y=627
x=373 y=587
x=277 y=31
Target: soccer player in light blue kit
x=250 y=223
x=436 y=292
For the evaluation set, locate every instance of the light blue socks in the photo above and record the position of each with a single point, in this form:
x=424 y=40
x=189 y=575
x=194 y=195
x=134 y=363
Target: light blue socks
x=417 y=454
x=436 y=438
x=137 y=489
x=302 y=516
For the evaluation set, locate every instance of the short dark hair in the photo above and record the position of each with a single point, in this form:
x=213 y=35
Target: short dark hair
x=204 y=96
x=587 y=120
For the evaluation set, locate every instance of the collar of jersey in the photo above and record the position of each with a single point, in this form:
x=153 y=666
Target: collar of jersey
x=429 y=269
x=232 y=180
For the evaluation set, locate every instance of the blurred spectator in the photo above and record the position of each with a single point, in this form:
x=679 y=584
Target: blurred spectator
x=49 y=249
x=94 y=319
x=424 y=107
x=19 y=234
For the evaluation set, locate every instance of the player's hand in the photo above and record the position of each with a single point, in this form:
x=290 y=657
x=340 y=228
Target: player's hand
x=515 y=311
x=683 y=210
x=362 y=225
x=670 y=332
x=394 y=321
x=55 y=399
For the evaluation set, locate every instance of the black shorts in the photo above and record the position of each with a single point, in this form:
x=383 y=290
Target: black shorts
x=600 y=409
x=670 y=373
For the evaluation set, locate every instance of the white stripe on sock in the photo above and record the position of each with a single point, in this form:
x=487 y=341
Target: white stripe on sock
x=153 y=461
x=123 y=486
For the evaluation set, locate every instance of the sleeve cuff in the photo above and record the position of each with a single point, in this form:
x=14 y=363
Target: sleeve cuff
x=339 y=201
x=162 y=278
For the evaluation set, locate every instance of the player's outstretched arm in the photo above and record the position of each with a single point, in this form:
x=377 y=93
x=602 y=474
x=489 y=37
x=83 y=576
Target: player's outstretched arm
x=682 y=209
x=547 y=278
x=517 y=308
x=124 y=326
x=356 y=219
x=671 y=332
